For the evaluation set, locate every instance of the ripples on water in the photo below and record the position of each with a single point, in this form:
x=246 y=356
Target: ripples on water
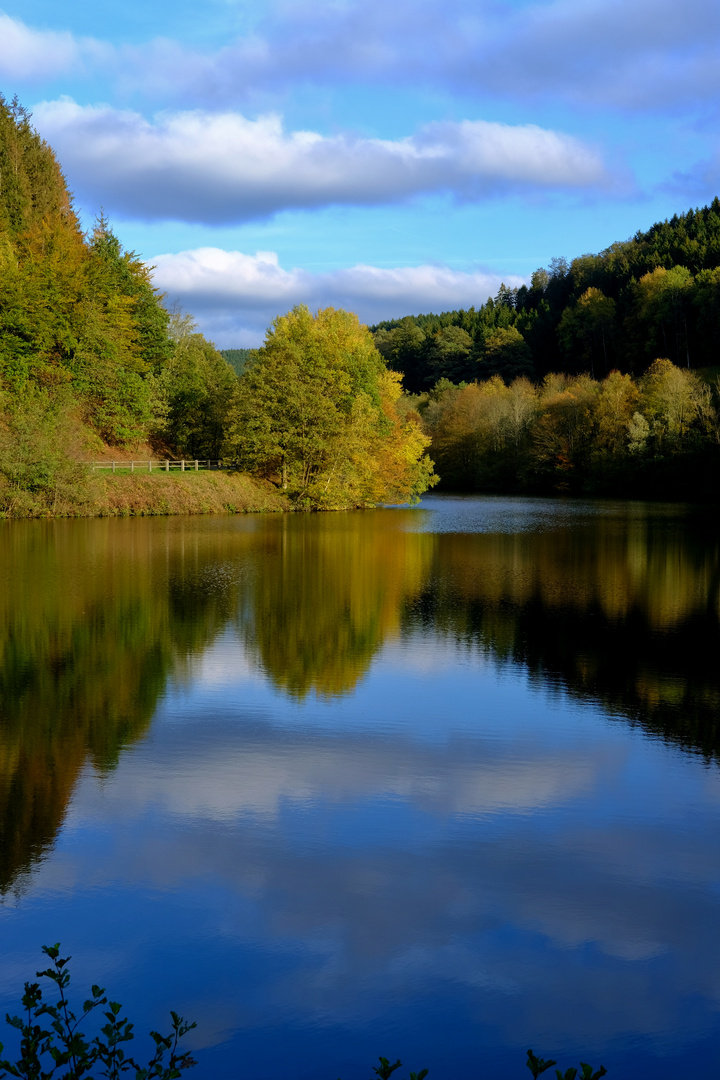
x=436 y=783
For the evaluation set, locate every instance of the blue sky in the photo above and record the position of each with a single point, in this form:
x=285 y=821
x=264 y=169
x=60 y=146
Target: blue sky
x=389 y=158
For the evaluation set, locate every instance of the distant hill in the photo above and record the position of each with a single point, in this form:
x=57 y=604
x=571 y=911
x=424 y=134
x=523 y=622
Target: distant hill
x=236 y=358
x=655 y=295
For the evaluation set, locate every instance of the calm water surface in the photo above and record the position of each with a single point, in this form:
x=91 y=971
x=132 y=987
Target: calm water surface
x=438 y=783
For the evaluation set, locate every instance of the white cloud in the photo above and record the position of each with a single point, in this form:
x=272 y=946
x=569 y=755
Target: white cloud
x=34 y=55
x=235 y=296
x=631 y=54
x=627 y=53
x=222 y=167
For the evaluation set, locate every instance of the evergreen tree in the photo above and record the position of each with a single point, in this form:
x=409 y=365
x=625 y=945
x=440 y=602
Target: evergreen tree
x=74 y=313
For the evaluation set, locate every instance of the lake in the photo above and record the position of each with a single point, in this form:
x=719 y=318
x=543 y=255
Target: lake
x=437 y=783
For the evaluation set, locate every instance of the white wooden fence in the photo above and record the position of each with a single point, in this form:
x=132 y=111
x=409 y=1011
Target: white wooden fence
x=160 y=465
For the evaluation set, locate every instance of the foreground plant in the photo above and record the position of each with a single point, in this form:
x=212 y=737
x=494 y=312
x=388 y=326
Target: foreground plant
x=52 y=1039
x=385 y=1070
x=538 y=1065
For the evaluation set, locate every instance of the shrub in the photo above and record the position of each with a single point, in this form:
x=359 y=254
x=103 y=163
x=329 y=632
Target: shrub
x=52 y=1036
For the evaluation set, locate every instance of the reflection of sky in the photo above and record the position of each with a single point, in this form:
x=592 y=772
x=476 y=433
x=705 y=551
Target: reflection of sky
x=452 y=856
x=517 y=514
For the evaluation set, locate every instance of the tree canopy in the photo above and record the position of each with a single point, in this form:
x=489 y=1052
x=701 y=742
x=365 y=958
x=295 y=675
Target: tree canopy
x=656 y=435
x=656 y=294
x=317 y=411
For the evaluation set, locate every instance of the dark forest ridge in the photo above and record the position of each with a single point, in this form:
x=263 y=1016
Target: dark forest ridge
x=656 y=295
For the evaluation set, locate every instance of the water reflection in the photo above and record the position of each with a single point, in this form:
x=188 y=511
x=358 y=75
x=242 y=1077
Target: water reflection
x=618 y=607
x=398 y=782
x=325 y=594
x=542 y=890
x=94 y=617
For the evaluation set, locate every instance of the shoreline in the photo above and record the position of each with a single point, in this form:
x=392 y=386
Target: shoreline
x=161 y=494
x=155 y=494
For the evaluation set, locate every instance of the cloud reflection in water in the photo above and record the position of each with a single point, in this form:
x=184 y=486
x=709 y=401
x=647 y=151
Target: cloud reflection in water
x=409 y=790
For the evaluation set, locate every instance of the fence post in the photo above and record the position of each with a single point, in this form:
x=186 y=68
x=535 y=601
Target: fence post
x=182 y=465
x=150 y=465
x=132 y=466
x=196 y=465
x=113 y=466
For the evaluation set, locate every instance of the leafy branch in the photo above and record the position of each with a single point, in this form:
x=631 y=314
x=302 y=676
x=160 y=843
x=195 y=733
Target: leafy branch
x=52 y=1039
x=538 y=1065
x=52 y=1036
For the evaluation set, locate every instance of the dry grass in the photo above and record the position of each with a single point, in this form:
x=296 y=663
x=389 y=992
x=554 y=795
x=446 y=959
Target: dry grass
x=126 y=494
x=137 y=494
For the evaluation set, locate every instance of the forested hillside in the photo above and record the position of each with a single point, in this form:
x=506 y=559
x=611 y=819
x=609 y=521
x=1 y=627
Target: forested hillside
x=90 y=358
x=584 y=381
x=81 y=328
x=236 y=358
x=656 y=436
x=656 y=295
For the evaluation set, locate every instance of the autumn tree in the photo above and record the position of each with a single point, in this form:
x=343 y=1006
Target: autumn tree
x=671 y=401
x=480 y=433
x=613 y=410
x=452 y=419
x=317 y=413
x=562 y=434
x=42 y=258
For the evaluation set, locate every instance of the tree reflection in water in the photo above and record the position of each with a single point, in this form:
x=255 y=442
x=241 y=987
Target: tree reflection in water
x=97 y=616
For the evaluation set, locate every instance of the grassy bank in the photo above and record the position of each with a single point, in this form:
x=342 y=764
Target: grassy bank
x=128 y=494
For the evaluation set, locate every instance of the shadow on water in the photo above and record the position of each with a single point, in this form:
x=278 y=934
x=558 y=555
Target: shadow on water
x=96 y=617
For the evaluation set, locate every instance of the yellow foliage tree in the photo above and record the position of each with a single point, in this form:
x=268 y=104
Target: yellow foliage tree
x=317 y=413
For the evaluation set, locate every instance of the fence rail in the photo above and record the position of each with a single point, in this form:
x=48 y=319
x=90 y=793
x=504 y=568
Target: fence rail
x=160 y=465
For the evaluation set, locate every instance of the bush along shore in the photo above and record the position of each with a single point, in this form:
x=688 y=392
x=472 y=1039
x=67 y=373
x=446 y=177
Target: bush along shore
x=53 y=1039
